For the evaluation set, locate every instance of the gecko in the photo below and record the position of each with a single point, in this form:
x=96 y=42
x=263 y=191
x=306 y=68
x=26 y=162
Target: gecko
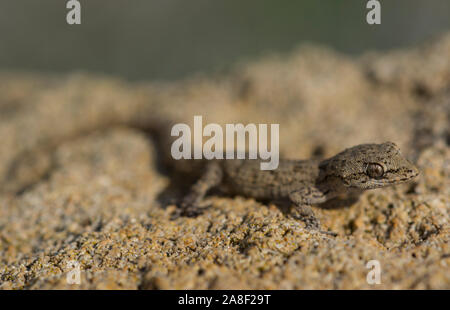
x=301 y=182
x=304 y=182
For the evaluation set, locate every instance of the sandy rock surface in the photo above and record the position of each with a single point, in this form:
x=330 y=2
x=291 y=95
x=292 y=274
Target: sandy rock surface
x=78 y=184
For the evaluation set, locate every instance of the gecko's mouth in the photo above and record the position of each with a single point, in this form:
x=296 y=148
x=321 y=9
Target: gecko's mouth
x=392 y=181
x=388 y=180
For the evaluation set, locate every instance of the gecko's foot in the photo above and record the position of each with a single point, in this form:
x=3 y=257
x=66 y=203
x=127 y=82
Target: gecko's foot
x=187 y=212
x=192 y=211
x=313 y=224
x=306 y=215
x=189 y=209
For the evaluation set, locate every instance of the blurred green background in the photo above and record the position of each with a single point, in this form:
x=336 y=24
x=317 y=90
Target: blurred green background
x=170 y=39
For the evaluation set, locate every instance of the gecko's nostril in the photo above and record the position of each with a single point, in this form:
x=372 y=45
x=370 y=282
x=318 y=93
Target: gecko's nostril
x=414 y=172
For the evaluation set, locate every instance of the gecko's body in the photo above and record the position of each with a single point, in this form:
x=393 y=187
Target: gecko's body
x=305 y=182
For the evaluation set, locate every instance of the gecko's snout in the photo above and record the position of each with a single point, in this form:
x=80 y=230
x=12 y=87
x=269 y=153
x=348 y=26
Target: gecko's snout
x=415 y=171
x=414 y=174
x=403 y=171
x=408 y=170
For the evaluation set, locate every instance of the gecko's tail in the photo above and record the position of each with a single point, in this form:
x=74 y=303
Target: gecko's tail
x=34 y=163
x=159 y=130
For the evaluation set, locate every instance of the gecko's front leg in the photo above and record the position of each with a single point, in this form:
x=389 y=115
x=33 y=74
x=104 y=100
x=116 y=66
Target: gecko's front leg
x=190 y=206
x=303 y=198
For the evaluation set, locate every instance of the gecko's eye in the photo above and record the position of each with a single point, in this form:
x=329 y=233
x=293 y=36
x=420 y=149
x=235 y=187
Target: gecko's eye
x=375 y=171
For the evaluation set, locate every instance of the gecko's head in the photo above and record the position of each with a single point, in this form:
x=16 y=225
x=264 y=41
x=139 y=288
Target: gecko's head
x=369 y=166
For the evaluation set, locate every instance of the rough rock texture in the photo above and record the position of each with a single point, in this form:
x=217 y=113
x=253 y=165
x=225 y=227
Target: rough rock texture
x=69 y=192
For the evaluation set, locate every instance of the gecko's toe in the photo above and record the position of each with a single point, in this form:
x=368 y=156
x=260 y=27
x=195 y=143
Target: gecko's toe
x=313 y=224
x=192 y=212
x=188 y=210
x=330 y=233
x=176 y=214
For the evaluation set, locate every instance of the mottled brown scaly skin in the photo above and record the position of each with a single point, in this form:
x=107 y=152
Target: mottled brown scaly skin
x=306 y=182
x=244 y=177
